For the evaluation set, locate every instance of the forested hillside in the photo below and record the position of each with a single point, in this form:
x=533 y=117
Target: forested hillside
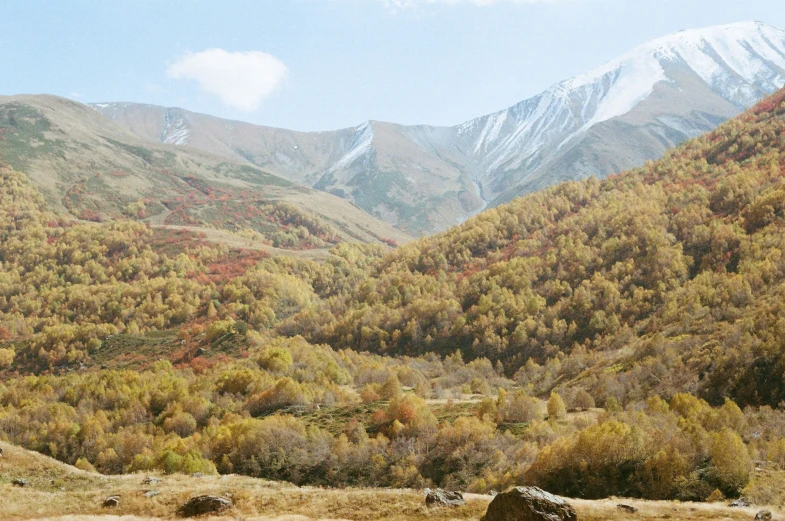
x=655 y=295
x=663 y=279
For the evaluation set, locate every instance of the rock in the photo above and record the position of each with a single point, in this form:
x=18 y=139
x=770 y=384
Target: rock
x=20 y=482
x=196 y=475
x=1 y=452
x=763 y=515
x=529 y=504
x=204 y=505
x=627 y=508
x=151 y=493
x=739 y=503
x=112 y=501
x=151 y=481
x=439 y=497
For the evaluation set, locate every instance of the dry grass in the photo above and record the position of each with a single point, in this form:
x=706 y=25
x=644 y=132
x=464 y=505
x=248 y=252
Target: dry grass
x=234 y=241
x=606 y=510
x=62 y=493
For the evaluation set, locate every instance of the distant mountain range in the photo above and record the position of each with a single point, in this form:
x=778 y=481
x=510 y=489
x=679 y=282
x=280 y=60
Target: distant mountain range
x=425 y=178
x=93 y=169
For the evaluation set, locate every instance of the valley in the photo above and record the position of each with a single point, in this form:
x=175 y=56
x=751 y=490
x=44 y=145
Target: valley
x=640 y=364
x=583 y=293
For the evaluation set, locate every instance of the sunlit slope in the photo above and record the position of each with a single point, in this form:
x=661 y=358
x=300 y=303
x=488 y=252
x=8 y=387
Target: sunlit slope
x=93 y=169
x=669 y=277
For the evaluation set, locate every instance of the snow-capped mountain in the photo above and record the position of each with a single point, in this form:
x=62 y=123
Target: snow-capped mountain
x=425 y=178
x=677 y=86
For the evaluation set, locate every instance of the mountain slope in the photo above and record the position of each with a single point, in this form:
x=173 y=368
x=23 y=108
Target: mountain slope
x=669 y=278
x=395 y=172
x=644 y=292
x=425 y=179
x=93 y=168
x=662 y=92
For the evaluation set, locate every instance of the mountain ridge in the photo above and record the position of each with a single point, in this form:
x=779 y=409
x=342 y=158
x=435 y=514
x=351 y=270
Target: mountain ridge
x=92 y=168
x=425 y=178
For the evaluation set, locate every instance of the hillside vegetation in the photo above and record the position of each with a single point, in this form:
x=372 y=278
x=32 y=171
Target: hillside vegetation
x=92 y=169
x=664 y=279
x=475 y=359
x=67 y=494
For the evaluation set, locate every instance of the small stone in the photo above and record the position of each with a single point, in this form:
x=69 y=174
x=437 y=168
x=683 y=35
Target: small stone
x=763 y=515
x=739 y=503
x=196 y=475
x=19 y=482
x=150 y=481
x=627 y=508
x=151 y=493
x=112 y=501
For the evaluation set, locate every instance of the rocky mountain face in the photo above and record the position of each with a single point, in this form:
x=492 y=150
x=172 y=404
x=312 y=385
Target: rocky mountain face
x=425 y=178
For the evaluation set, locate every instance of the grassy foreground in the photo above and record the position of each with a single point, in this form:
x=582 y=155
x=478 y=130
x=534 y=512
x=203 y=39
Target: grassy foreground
x=60 y=492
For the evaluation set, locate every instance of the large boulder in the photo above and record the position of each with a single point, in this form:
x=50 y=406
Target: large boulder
x=529 y=504
x=204 y=505
x=439 y=497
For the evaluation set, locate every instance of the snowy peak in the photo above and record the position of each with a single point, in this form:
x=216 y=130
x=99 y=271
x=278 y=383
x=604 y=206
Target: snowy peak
x=739 y=63
x=723 y=56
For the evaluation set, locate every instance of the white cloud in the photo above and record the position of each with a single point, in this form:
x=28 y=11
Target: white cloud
x=241 y=79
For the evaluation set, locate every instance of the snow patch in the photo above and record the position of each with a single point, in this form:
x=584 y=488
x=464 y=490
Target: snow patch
x=491 y=130
x=175 y=131
x=362 y=142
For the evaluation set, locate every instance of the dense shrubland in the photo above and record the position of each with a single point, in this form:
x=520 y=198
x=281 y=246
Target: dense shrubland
x=279 y=224
x=656 y=295
x=65 y=286
x=305 y=413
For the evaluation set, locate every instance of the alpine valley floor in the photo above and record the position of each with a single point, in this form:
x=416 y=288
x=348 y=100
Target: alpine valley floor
x=57 y=491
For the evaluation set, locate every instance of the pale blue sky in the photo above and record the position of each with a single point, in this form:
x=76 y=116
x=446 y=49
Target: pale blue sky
x=333 y=63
